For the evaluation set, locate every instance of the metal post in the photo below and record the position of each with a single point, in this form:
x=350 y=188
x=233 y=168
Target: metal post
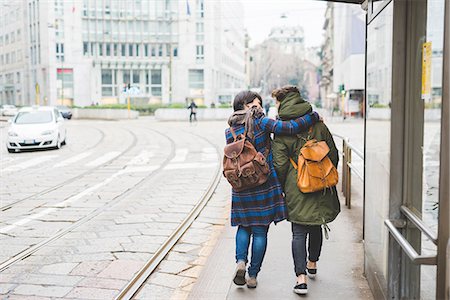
x=443 y=263
x=344 y=169
x=170 y=57
x=343 y=164
x=128 y=106
x=349 y=178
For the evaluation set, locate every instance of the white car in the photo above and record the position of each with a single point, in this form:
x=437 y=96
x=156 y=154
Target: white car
x=35 y=128
x=8 y=110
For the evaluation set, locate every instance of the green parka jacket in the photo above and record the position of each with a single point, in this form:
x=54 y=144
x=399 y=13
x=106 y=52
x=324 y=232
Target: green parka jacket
x=303 y=208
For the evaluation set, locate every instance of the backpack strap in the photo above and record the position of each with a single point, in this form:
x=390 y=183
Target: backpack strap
x=233 y=133
x=293 y=163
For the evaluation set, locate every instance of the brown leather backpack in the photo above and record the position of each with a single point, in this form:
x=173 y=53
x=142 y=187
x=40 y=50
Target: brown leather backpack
x=243 y=166
x=315 y=170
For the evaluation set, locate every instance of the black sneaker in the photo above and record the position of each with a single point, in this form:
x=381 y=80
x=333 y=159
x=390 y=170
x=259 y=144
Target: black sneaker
x=239 y=276
x=301 y=289
x=311 y=273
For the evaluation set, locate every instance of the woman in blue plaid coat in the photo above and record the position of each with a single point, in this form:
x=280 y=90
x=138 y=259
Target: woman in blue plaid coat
x=254 y=209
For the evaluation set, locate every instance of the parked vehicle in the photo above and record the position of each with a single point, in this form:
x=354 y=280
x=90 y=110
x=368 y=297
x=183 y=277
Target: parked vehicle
x=65 y=111
x=8 y=110
x=35 y=128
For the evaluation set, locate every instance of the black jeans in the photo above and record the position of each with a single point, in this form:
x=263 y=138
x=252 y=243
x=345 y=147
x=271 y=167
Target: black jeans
x=193 y=114
x=299 y=234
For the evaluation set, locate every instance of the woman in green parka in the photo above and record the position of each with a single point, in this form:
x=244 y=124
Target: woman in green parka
x=306 y=211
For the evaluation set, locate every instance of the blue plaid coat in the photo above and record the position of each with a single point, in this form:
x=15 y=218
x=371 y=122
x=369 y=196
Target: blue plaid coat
x=264 y=204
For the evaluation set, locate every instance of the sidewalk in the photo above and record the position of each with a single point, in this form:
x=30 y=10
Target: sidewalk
x=340 y=269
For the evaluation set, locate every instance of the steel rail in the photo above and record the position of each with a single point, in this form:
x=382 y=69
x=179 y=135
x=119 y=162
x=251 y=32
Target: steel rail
x=79 y=176
x=27 y=252
x=138 y=281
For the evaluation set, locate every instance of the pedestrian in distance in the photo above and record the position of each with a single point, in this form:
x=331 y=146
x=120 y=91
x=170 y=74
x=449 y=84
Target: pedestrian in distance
x=267 y=107
x=307 y=212
x=193 y=108
x=254 y=209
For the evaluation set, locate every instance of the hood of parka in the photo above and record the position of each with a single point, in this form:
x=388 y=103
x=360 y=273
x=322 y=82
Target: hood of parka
x=293 y=106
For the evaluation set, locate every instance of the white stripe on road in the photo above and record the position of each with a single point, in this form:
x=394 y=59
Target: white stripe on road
x=142 y=159
x=30 y=163
x=76 y=197
x=103 y=159
x=209 y=154
x=26 y=220
x=72 y=160
x=180 y=155
x=190 y=166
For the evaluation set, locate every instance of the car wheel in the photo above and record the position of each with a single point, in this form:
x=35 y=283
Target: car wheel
x=63 y=143
x=69 y=117
x=11 y=150
x=58 y=143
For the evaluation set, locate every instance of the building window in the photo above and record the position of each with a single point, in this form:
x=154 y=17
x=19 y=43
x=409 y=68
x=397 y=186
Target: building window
x=126 y=76
x=196 y=80
x=130 y=50
x=116 y=50
x=156 y=82
x=123 y=48
x=18 y=77
x=160 y=51
x=108 y=50
x=136 y=77
x=137 y=50
x=200 y=54
x=107 y=82
x=60 y=52
x=85 y=48
x=153 y=51
x=19 y=36
x=100 y=49
x=175 y=51
x=92 y=49
x=13 y=37
x=146 y=50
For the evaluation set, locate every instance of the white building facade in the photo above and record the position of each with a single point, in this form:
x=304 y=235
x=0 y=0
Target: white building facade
x=154 y=51
x=13 y=54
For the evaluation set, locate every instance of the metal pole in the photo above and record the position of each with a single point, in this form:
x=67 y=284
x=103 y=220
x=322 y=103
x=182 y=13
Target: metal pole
x=349 y=178
x=128 y=106
x=170 y=57
x=443 y=249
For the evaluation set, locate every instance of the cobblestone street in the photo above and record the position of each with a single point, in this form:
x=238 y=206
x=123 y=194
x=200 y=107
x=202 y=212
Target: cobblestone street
x=80 y=222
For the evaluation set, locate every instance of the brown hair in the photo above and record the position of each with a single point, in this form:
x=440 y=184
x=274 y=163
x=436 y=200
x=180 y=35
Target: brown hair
x=281 y=93
x=243 y=98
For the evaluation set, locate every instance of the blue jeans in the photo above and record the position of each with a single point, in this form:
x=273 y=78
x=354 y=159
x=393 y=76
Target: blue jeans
x=259 y=246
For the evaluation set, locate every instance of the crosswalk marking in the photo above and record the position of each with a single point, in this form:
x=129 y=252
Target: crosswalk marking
x=103 y=159
x=209 y=154
x=180 y=155
x=142 y=159
x=30 y=163
x=73 y=159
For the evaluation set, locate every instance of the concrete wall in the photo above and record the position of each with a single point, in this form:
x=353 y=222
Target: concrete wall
x=173 y=114
x=104 y=114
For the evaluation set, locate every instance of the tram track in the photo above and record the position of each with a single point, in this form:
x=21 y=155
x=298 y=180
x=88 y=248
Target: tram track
x=134 y=286
x=32 y=249
x=79 y=176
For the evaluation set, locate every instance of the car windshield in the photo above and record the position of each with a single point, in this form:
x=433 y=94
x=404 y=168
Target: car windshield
x=34 y=117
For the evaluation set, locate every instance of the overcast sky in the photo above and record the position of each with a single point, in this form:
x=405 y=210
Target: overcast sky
x=262 y=15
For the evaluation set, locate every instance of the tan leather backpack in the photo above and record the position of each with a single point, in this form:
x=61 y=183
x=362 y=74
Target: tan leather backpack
x=315 y=170
x=243 y=166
